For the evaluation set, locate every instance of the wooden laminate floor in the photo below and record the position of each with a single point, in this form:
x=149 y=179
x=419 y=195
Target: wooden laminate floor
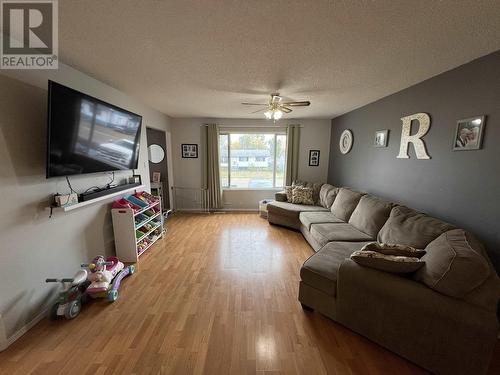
x=218 y=295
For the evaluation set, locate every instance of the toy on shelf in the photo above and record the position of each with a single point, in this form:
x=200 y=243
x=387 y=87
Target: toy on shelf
x=146 y=197
x=123 y=203
x=105 y=277
x=69 y=302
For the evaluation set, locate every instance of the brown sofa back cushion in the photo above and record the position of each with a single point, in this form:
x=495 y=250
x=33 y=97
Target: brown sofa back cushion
x=345 y=203
x=454 y=264
x=370 y=215
x=327 y=195
x=409 y=227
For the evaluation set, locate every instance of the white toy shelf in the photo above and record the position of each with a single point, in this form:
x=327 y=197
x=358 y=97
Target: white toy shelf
x=136 y=231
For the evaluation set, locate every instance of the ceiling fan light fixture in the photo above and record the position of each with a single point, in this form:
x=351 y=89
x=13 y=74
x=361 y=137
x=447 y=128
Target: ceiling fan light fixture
x=277 y=114
x=268 y=114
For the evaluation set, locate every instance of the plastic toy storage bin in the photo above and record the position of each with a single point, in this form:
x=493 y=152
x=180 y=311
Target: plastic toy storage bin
x=131 y=216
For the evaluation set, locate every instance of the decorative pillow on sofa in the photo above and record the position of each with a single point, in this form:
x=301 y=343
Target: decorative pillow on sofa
x=394 y=249
x=454 y=264
x=387 y=263
x=288 y=191
x=302 y=195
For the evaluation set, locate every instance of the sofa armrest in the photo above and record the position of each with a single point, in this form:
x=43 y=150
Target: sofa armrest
x=280 y=196
x=443 y=334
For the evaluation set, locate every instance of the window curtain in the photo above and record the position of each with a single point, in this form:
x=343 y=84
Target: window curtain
x=212 y=175
x=292 y=153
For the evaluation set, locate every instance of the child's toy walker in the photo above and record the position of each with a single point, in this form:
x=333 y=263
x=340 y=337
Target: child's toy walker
x=105 y=277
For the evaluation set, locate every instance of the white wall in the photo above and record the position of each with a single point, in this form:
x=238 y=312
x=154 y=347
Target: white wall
x=34 y=246
x=315 y=134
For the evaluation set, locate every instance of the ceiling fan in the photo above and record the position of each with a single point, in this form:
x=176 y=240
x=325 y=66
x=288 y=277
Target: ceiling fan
x=275 y=108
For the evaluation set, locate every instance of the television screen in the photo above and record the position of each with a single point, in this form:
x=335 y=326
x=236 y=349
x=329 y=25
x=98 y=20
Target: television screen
x=87 y=135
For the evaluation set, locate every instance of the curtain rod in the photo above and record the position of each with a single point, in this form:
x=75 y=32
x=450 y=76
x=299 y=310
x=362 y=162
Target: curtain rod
x=256 y=126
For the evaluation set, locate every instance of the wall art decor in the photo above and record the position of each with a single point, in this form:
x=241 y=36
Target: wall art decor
x=156 y=177
x=381 y=138
x=346 y=140
x=313 y=158
x=189 y=150
x=469 y=134
x=424 y=123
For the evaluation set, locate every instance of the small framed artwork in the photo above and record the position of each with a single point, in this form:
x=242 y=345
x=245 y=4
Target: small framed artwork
x=469 y=134
x=189 y=150
x=381 y=137
x=313 y=158
x=156 y=177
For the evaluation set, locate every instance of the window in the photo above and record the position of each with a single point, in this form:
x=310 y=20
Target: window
x=256 y=161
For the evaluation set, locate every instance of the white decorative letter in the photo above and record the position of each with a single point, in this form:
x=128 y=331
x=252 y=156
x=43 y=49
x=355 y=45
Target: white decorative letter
x=424 y=124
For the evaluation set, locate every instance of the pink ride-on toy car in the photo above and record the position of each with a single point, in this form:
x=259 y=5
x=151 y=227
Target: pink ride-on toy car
x=105 y=277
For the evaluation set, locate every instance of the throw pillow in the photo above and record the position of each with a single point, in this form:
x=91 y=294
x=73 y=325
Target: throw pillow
x=393 y=249
x=387 y=263
x=302 y=195
x=288 y=191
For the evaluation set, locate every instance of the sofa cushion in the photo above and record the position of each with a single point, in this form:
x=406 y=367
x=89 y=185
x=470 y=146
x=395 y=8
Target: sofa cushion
x=345 y=202
x=454 y=264
x=320 y=270
x=287 y=214
x=387 y=263
x=370 y=215
x=293 y=209
x=327 y=195
x=409 y=227
x=324 y=233
x=309 y=218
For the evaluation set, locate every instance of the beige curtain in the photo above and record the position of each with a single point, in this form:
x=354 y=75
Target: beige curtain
x=292 y=153
x=212 y=175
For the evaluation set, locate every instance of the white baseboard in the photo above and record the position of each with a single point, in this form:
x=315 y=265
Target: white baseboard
x=6 y=342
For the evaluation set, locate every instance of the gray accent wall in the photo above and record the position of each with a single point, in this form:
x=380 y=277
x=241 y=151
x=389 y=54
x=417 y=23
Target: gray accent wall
x=461 y=187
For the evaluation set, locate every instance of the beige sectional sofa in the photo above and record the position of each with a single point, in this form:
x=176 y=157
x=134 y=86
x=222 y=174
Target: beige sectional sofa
x=442 y=317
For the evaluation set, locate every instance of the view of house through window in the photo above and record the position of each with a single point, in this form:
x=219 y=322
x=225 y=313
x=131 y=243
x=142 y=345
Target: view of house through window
x=252 y=160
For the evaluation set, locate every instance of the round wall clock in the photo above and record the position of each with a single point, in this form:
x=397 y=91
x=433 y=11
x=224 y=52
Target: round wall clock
x=345 y=141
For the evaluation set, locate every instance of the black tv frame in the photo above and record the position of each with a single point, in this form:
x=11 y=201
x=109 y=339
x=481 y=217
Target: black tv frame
x=137 y=136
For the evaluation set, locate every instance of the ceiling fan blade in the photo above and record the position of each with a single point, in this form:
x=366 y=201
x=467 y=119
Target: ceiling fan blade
x=286 y=109
x=259 y=110
x=304 y=103
x=253 y=104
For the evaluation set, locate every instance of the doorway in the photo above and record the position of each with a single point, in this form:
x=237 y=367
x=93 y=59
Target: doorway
x=157 y=156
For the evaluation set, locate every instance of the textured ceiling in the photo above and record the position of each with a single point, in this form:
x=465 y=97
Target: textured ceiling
x=203 y=58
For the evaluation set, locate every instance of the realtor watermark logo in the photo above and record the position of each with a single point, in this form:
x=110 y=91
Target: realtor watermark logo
x=29 y=34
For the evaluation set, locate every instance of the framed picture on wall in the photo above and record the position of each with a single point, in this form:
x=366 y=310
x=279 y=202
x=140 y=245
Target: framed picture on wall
x=469 y=134
x=156 y=177
x=313 y=158
x=189 y=150
x=381 y=137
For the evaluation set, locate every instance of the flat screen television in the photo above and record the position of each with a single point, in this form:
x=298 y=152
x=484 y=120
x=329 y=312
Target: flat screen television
x=88 y=135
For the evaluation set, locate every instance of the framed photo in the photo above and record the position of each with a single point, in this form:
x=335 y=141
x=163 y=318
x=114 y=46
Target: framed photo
x=156 y=176
x=381 y=137
x=313 y=158
x=189 y=150
x=469 y=134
